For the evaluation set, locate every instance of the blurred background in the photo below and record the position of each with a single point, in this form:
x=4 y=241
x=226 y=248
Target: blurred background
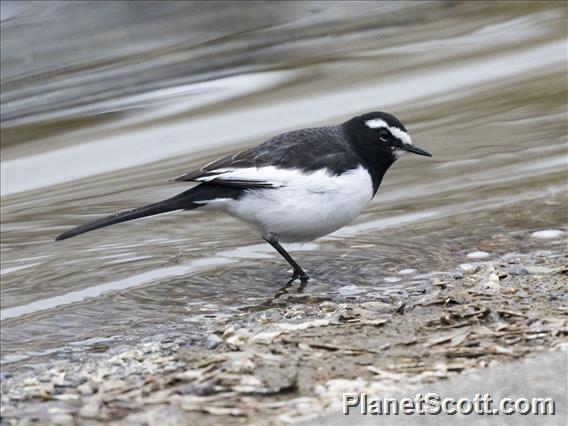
x=103 y=102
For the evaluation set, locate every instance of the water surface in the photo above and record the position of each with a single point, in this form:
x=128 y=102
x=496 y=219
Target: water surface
x=118 y=99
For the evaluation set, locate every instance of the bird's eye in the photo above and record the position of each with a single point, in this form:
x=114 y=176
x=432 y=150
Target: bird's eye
x=384 y=135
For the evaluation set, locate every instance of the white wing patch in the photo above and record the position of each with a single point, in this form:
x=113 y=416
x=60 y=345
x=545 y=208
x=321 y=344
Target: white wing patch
x=398 y=133
x=268 y=176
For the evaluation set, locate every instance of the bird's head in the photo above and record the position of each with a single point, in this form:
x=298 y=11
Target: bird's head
x=383 y=132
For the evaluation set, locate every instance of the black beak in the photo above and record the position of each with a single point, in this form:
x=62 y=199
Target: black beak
x=416 y=149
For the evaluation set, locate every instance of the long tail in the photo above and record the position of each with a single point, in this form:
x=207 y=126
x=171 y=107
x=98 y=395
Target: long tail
x=184 y=201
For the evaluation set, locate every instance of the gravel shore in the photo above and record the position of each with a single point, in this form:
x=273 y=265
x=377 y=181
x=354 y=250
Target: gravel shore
x=290 y=359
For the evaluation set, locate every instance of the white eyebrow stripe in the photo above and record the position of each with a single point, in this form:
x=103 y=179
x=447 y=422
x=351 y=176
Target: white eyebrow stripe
x=375 y=123
x=399 y=133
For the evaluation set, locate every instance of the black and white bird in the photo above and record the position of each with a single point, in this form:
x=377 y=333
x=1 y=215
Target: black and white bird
x=294 y=187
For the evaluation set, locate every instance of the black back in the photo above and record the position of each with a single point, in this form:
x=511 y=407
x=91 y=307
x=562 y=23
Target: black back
x=307 y=150
x=338 y=148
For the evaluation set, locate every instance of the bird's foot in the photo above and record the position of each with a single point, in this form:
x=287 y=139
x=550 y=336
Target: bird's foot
x=302 y=276
x=298 y=273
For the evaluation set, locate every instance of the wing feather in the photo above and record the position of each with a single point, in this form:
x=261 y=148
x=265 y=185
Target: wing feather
x=230 y=171
x=269 y=164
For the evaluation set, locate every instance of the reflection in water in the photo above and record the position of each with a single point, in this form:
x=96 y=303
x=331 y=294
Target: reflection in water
x=96 y=119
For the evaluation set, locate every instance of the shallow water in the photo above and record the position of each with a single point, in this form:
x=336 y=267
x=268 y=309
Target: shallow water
x=109 y=106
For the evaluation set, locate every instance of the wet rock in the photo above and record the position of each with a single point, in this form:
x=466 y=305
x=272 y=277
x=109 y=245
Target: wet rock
x=266 y=337
x=236 y=337
x=478 y=255
x=542 y=270
x=516 y=270
x=377 y=307
x=303 y=325
x=548 y=234
x=213 y=341
x=512 y=258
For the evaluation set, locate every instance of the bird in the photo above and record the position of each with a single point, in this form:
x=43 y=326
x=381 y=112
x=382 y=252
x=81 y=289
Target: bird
x=294 y=187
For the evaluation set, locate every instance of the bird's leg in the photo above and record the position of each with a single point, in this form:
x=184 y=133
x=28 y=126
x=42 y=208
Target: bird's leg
x=298 y=271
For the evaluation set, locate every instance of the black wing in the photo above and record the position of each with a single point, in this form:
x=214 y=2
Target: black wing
x=304 y=150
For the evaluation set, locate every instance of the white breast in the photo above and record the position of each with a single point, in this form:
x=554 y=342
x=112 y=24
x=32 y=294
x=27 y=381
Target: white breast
x=302 y=206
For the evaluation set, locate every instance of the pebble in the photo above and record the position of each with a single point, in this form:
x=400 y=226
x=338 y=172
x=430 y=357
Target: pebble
x=392 y=279
x=85 y=389
x=407 y=271
x=548 y=234
x=469 y=267
x=31 y=381
x=517 y=270
x=493 y=283
x=266 y=337
x=478 y=255
x=92 y=409
x=58 y=379
x=67 y=397
x=213 y=341
x=350 y=290
x=327 y=306
x=286 y=326
x=541 y=270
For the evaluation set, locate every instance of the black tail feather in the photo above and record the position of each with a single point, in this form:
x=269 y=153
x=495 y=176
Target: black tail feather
x=183 y=201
